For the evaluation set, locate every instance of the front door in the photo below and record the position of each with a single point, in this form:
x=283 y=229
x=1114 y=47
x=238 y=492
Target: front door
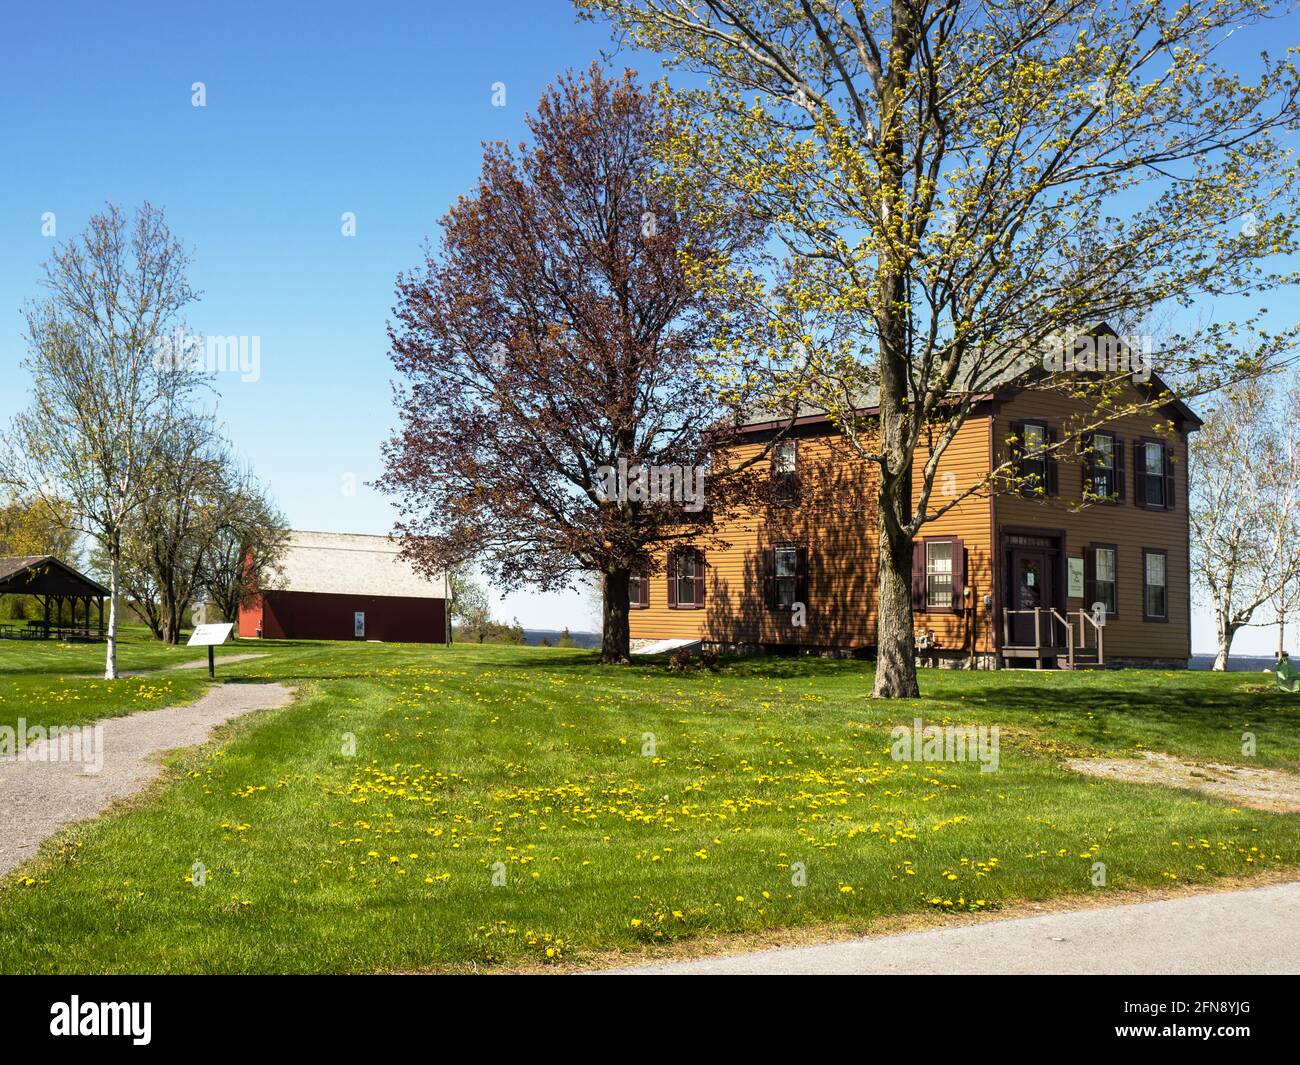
x=1031 y=587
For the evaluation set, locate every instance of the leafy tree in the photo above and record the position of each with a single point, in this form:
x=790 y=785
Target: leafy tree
x=38 y=526
x=554 y=335
x=956 y=186
x=467 y=600
x=103 y=400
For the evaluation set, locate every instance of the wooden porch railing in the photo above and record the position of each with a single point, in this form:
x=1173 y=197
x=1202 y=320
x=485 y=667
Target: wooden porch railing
x=1046 y=620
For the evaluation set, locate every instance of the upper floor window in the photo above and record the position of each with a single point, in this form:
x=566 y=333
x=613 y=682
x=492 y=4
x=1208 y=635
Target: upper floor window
x=1154 y=472
x=1036 y=468
x=784 y=457
x=1155 y=591
x=1104 y=468
x=686 y=579
x=785 y=467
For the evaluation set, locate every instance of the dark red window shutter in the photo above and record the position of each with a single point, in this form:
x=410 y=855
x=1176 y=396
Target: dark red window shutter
x=1018 y=447
x=918 y=575
x=958 y=576
x=1139 y=473
x=1051 y=471
x=801 y=577
x=699 y=580
x=1169 y=476
x=1089 y=577
x=769 y=578
x=643 y=590
x=1118 y=451
x=672 y=578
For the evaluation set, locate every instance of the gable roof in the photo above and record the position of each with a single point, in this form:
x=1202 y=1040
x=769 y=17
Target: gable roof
x=349 y=564
x=1017 y=376
x=44 y=575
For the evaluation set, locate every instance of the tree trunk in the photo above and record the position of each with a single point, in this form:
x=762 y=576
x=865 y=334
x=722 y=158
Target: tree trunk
x=114 y=564
x=895 y=635
x=1226 y=634
x=616 y=637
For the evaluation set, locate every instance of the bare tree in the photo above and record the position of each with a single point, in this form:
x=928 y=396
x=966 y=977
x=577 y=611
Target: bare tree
x=1244 y=504
x=104 y=395
x=169 y=538
x=248 y=543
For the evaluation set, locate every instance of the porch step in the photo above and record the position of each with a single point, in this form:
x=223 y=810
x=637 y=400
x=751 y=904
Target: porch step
x=1079 y=663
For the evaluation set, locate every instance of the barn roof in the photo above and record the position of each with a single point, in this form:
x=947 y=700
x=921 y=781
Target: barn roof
x=349 y=564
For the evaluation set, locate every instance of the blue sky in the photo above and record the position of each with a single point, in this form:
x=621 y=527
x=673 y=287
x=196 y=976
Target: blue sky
x=311 y=111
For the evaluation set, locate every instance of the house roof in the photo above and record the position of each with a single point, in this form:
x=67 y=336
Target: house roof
x=1017 y=375
x=350 y=564
x=44 y=575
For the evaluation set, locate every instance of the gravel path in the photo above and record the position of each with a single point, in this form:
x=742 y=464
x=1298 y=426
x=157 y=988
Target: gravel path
x=221 y=660
x=38 y=796
x=1254 y=931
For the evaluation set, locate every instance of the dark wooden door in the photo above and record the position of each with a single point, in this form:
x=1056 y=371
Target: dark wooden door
x=1032 y=585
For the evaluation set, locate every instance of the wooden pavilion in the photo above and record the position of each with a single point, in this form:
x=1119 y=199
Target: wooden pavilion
x=66 y=594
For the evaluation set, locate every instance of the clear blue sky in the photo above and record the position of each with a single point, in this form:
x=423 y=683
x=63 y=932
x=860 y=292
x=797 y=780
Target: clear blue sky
x=312 y=110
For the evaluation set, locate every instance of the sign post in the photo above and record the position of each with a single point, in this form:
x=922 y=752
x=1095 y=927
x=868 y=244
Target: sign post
x=209 y=636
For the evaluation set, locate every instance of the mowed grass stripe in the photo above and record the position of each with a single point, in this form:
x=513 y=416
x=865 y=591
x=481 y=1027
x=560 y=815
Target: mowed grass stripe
x=470 y=762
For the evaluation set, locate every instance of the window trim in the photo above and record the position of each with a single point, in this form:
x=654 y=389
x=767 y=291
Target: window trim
x=1163 y=553
x=641 y=600
x=674 y=579
x=1116 y=496
x=1090 y=576
x=1049 y=483
x=1168 y=489
x=770 y=597
x=921 y=580
x=785 y=484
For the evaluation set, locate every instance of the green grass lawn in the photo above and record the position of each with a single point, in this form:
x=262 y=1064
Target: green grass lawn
x=514 y=805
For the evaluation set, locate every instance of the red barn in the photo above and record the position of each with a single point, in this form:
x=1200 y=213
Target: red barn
x=346 y=586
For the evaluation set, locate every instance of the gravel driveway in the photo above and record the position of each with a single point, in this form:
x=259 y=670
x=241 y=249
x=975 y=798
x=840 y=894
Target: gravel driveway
x=38 y=796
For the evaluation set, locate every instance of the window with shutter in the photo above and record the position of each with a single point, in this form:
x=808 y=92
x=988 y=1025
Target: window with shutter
x=1101 y=468
x=942 y=563
x=1155 y=590
x=1157 y=474
x=1035 y=469
x=638 y=591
